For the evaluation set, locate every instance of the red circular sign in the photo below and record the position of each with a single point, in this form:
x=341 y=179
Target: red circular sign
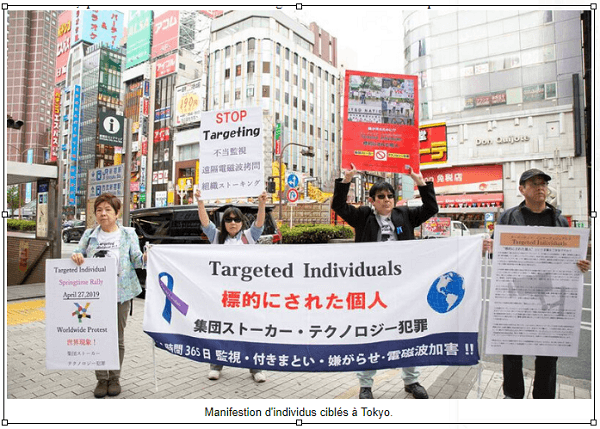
x=292 y=195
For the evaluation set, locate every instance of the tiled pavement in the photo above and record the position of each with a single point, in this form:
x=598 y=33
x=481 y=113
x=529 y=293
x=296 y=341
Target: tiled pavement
x=177 y=377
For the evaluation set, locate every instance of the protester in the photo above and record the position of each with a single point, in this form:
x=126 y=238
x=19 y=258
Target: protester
x=385 y=222
x=232 y=233
x=534 y=211
x=114 y=241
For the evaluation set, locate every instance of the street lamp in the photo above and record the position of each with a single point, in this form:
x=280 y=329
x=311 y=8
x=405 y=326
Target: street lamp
x=307 y=152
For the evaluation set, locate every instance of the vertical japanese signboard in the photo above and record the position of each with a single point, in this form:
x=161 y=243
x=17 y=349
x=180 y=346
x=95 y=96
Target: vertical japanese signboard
x=165 y=33
x=74 y=143
x=139 y=36
x=96 y=26
x=433 y=145
x=381 y=130
x=231 y=155
x=55 y=140
x=81 y=315
x=63 y=45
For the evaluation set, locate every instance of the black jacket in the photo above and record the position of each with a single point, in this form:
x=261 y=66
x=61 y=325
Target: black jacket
x=513 y=216
x=364 y=221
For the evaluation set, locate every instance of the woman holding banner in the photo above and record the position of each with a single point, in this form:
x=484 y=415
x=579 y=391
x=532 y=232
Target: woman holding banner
x=231 y=232
x=108 y=240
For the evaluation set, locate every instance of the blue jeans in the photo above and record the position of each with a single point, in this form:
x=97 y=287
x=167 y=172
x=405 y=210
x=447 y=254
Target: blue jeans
x=410 y=375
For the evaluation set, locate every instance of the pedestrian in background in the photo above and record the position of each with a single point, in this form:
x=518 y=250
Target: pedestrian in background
x=534 y=211
x=232 y=233
x=385 y=222
x=111 y=240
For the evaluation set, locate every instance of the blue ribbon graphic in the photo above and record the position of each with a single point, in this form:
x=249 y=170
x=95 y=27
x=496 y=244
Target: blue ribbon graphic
x=171 y=298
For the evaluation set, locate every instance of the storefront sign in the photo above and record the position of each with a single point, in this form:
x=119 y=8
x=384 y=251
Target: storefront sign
x=188 y=102
x=502 y=140
x=432 y=142
x=166 y=66
x=454 y=180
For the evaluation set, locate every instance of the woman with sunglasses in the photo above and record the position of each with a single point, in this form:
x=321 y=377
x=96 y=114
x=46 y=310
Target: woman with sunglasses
x=231 y=232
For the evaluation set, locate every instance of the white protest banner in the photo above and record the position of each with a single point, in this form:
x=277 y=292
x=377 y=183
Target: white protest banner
x=537 y=291
x=81 y=314
x=231 y=153
x=328 y=307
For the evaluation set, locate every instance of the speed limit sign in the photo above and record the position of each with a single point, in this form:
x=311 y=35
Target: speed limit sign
x=292 y=195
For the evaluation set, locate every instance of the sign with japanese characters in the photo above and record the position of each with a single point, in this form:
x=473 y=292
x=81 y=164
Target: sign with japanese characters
x=166 y=66
x=56 y=131
x=231 y=153
x=537 y=291
x=81 y=314
x=381 y=131
x=433 y=146
x=139 y=37
x=466 y=179
x=188 y=103
x=95 y=26
x=165 y=30
x=63 y=45
x=334 y=307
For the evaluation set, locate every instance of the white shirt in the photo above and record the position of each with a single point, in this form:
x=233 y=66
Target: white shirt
x=108 y=246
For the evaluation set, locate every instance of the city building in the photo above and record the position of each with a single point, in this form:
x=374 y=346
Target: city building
x=509 y=87
x=266 y=58
x=31 y=47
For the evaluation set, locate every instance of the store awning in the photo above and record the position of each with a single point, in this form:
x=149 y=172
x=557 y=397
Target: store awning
x=471 y=200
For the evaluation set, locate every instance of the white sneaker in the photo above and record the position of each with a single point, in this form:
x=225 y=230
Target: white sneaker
x=259 y=377
x=213 y=374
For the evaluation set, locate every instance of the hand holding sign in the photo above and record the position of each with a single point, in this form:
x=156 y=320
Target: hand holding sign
x=349 y=174
x=417 y=177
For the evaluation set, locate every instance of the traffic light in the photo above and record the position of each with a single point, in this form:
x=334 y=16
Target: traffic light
x=11 y=123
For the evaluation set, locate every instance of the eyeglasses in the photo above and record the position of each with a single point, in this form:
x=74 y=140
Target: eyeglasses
x=382 y=196
x=233 y=219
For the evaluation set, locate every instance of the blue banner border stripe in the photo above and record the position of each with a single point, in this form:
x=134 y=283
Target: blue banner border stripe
x=315 y=358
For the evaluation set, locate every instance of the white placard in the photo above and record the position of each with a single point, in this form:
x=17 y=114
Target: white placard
x=333 y=307
x=231 y=154
x=81 y=314
x=537 y=291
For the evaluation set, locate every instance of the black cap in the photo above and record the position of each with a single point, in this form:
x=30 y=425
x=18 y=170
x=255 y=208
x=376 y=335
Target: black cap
x=532 y=173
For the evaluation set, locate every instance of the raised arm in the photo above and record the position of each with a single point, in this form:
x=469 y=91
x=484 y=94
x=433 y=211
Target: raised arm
x=204 y=219
x=262 y=202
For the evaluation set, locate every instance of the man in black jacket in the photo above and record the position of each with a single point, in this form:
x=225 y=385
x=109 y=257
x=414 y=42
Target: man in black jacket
x=534 y=211
x=385 y=222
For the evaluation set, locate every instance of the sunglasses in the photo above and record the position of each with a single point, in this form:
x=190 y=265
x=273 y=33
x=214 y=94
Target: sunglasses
x=233 y=219
x=383 y=196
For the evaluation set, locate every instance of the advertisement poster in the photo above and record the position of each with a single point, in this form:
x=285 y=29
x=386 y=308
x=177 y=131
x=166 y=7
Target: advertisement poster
x=63 y=45
x=231 y=153
x=465 y=179
x=537 y=291
x=437 y=227
x=139 y=32
x=165 y=32
x=433 y=145
x=381 y=130
x=188 y=102
x=81 y=314
x=330 y=307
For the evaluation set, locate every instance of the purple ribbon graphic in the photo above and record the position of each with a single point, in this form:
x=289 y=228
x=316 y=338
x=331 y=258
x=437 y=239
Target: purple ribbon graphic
x=171 y=298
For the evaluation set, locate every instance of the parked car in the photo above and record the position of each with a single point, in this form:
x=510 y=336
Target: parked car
x=73 y=231
x=181 y=225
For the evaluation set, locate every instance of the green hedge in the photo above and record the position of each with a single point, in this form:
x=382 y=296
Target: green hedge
x=304 y=234
x=21 y=225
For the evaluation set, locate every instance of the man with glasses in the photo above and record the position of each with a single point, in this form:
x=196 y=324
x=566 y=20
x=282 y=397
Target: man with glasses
x=385 y=222
x=534 y=211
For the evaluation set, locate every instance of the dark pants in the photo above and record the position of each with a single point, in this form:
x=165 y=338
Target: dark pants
x=544 y=381
x=122 y=311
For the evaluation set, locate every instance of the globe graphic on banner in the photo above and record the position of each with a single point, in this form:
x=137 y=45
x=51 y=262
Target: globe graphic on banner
x=446 y=292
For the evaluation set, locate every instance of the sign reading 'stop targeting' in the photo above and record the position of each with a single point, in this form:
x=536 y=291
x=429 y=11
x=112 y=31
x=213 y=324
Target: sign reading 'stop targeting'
x=231 y=155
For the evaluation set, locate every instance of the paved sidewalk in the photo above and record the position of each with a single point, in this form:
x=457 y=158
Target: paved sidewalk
x=178 y=377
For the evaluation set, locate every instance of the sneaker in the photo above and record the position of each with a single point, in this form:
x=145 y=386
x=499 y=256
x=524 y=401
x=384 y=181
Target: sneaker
x=365 y=393
x=101 y=389
x=213 y=374
x=259 y=377
x=114 y=388
x=417 y=391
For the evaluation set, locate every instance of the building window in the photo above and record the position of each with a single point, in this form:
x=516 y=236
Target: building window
x=296 y=124
x=304 y=106
x=250 y=66
x=277 y=94
x=304 y=126
x=422 y=48
x=251 y=45
x=295 y=58
x=238 y=70
x=304 y=84
x=250 y=91
x=333 y=118
x=227 y=73
x=266 y=67
x=295 y=101
x=296 y=79
x=312 y=130
x=182 y=66
x=287 y=98
x=286 y=121
x=333 y=98
x=277 y=71
x=287 y=75
x=312 y=67
x=287 y=53
x=548 y=16
x=278 y=49
x=227 y=51
x=266 y=91
x=238 y=94
x=226 y=97
x=304 y=63
x=238 y=48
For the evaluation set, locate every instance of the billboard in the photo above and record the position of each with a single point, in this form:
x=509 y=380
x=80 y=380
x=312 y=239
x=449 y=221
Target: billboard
x=63 y=45
x=96 y=26
x=55 y=126
x=188 y=103
x=166 y=66
x=381 y=130
x=433 y=148
x=139 y=32
x=165 y=31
